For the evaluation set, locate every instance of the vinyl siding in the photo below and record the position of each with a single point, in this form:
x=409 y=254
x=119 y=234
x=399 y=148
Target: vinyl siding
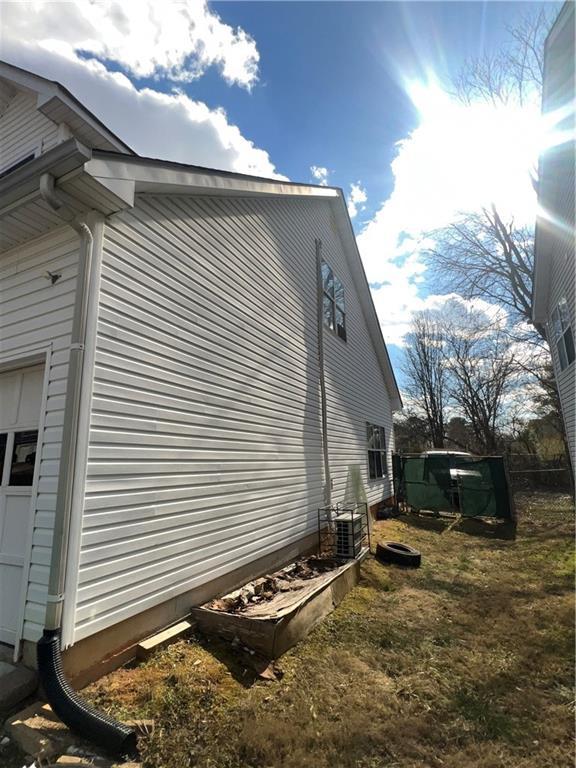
x=205 y=446
x=35 y=313
x=558 y=184
x=24 y=129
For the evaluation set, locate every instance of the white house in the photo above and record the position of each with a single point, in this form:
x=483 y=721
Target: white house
x=554 y=300
x=190 y=365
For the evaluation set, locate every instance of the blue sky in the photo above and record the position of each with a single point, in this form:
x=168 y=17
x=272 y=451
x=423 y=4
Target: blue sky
x=352 y=89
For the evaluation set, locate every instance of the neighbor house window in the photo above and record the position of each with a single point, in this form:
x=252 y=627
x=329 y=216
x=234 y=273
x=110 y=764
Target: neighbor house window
x=376 y=442
x=333 y=306
x=562 y=334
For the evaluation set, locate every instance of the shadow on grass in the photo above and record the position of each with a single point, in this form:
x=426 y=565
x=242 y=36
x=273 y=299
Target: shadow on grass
x=503 y=530
x=237 y=661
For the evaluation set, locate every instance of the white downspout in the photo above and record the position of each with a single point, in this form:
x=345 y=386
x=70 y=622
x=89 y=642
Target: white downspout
x=323 y=405
x=68 y=454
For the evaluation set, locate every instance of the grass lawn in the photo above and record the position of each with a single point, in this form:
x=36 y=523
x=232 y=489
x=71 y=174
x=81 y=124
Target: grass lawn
x=466 y=662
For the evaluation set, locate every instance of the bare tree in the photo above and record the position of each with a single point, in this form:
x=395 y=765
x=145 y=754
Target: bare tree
x=513 y=73
x=425 y=371
x=484 y=256
x=483 y=370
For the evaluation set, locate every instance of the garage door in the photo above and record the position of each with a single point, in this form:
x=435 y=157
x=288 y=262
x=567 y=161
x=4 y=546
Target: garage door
x=20 y=402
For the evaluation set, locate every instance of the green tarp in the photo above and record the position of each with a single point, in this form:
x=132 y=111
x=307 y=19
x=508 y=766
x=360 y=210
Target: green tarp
x=473 y=486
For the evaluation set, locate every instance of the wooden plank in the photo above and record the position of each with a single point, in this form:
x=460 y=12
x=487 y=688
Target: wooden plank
x=146 y=647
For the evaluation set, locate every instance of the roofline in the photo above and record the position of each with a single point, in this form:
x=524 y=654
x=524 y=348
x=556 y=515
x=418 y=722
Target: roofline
x=155 y=161
x=352 y=236
x=77 y=103
x=559 y=21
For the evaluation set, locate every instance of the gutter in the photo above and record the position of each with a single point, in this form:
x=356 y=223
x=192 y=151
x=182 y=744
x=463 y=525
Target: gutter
x=108 y=733
x=23 y=181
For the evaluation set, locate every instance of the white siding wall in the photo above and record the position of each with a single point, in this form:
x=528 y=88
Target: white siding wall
x=562 y=285
x=558 y=184
x=355 y=387
x=23 y=130
x=205 y=445
x=34 y=313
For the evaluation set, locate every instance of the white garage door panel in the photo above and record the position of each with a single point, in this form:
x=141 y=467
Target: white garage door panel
x=20 y=403
x=10 y=585
x=12 y=533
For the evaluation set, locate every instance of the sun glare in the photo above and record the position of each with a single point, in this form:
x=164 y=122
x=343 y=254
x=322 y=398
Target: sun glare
x=481 y=153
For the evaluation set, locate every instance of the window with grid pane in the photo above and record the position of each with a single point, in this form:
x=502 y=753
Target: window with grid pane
x=333 y=304
x=376 y=444
x=562 y=334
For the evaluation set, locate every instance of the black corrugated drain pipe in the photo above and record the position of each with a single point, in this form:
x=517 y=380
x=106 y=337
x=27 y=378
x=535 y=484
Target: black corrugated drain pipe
x=109 y=734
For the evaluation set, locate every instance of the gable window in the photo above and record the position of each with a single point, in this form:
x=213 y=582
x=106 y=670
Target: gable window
x=376 y=443
x=333 y=305
x=562 y=334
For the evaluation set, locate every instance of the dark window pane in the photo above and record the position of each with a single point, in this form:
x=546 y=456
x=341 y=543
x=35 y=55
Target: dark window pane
x=3 y=438
x=328 y=310
x=340 y=324
x=564 y=314
x=327 y=279
x=339 y=294
x=382 y=438
x=23 y=458
x=569 y=344
x=378 y=459
x=556 y=324
x=562 y=354
x=384 y=465
x=372 y=464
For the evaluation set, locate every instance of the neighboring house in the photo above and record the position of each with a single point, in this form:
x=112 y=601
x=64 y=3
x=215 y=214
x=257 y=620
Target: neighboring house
x=554 y=300
x=190 y=365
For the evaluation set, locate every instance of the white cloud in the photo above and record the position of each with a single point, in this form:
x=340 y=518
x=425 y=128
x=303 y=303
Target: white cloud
x=356 y=199
x=459 y=158
x=396 y=301
x=170 y=126
x=320 y=174
x=177 y=40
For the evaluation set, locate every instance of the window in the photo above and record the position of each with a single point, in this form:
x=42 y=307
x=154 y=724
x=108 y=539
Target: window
x=562 y=334
x=376 y=442
x=333 y=306
x=23 y=458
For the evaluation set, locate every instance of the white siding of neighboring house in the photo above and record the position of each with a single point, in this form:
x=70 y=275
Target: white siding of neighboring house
x=24 y=129
x=205 y=446
x=36 y=314
x=558 y=183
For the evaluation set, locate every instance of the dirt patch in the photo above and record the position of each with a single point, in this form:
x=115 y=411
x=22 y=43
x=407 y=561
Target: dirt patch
x=467 y=661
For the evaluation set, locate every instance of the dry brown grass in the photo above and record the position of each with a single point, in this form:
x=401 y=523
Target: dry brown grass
x=465 y=662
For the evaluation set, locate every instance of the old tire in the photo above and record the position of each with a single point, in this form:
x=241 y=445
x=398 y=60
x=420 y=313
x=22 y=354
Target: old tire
x=398 y=554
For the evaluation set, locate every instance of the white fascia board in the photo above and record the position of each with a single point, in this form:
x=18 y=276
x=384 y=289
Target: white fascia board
x=164 y=178
x=49 y=92
x=49 y=101
x=563 y=18
x=363 y=289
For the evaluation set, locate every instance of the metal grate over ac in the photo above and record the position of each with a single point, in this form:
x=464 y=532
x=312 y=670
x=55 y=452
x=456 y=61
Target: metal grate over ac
x=343 y=531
